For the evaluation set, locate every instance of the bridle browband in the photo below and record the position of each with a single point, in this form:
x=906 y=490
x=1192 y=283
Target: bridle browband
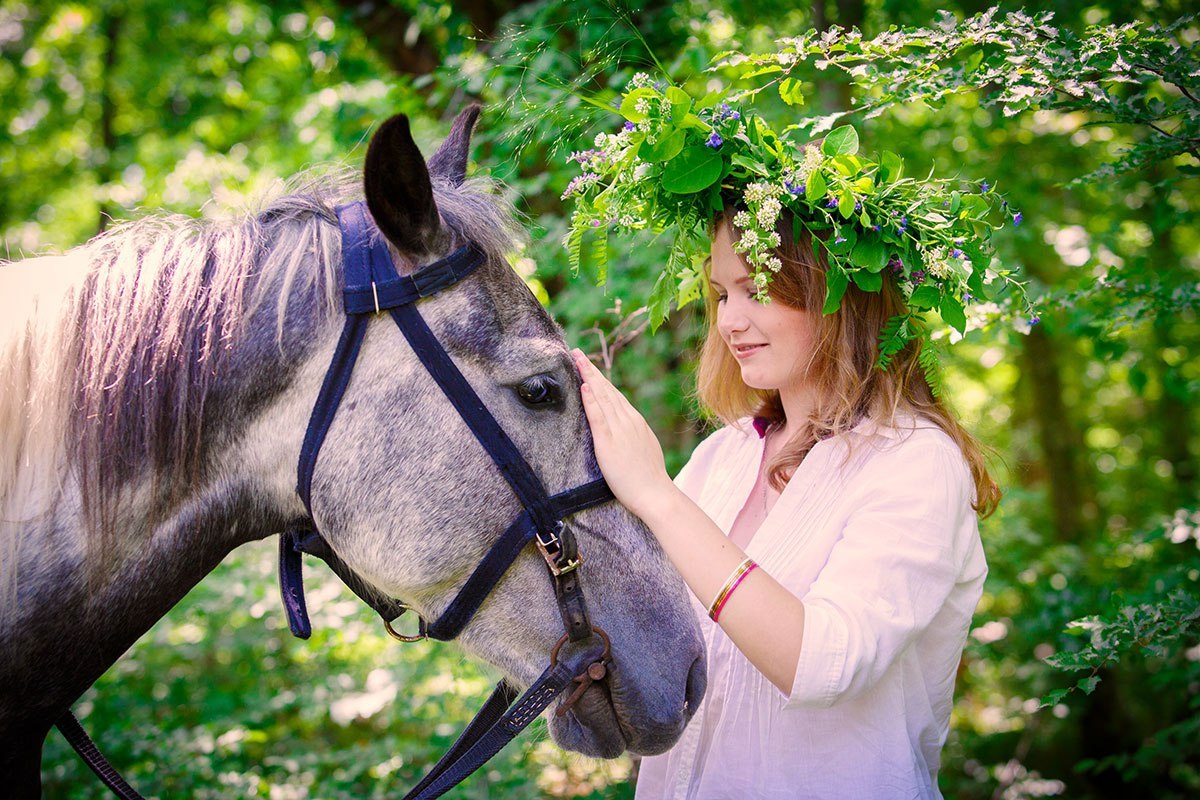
x=372 y=286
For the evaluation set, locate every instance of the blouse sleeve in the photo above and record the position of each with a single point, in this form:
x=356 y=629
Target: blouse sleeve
x=891 y=571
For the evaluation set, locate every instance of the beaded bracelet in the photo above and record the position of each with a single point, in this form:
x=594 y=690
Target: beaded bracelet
x=735 y=579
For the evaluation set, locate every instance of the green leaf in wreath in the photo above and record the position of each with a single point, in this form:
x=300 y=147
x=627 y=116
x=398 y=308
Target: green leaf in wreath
x=870 y=253
x=926 y=296
x=835 y=287
x=846 y=203
x=666 y=148
x=694 y=169
x=660 y=298
x=891 y=166
x=749 y=164
x=976 y=285
x=867 y=281
x=629 y=104
x=814 y=187
x=841 y=141
x=952 y=312
x=681 y=103
x=843 y=241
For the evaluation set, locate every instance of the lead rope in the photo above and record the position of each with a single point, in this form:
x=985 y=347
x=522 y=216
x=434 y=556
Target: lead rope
x=77 y=737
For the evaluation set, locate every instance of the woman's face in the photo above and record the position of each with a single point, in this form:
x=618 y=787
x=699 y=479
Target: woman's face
x=772 y=343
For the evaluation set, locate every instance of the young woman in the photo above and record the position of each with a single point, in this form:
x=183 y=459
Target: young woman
x=828 y=532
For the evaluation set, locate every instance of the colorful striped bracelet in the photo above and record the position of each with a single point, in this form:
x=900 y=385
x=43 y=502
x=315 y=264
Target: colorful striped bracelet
x=735 y=579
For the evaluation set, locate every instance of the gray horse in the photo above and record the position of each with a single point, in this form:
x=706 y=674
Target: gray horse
x=157 y=385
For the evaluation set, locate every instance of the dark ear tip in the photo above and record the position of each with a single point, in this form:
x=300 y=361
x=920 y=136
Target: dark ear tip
x=397 y=124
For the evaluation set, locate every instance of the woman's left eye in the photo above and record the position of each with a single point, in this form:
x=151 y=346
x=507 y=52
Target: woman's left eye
x=538 y=391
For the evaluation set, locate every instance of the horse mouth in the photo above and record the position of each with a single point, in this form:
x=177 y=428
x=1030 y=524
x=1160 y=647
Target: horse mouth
x=604 y=722
x=591 y=726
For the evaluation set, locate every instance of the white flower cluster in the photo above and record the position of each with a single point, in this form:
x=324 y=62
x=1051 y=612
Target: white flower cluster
x=613 y=144
x=813 y=159
x=942 y=264
x=758 y=236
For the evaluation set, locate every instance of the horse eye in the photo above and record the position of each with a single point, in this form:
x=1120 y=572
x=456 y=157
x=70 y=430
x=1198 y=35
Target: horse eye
x=538 y=391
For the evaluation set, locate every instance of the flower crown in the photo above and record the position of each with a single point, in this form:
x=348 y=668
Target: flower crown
x=679 y=160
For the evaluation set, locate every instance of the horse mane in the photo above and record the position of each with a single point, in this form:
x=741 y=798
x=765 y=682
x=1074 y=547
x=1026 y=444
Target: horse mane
x=108 y=369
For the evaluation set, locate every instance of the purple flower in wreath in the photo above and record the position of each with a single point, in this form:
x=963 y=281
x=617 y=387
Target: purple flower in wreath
x=1017 y=217
x=628 y=126
x=839 y=239
x=714 y=140
x=831 y=203
x=1034 y=320
x=984 y=187
x=956 y=253
x=918 y=277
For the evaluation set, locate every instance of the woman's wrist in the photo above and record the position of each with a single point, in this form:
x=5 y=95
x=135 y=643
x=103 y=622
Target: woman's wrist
x=657 y=504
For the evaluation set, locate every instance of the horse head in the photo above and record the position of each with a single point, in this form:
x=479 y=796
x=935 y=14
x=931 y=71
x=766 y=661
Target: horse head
x=410 y=501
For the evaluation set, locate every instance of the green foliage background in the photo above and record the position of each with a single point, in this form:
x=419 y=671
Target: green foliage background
x=1082 y=675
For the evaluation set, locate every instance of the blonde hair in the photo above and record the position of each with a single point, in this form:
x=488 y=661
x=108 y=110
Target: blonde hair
x=849 y=387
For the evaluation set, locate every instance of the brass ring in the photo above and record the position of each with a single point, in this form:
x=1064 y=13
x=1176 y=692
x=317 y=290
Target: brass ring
x=605 y=656
x=400 y=636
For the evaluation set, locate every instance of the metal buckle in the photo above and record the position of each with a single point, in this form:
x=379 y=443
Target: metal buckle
x=421 y=634
x=552 y=555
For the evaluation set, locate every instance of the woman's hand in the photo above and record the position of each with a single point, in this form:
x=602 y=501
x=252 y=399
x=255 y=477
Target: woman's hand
x=627 y=450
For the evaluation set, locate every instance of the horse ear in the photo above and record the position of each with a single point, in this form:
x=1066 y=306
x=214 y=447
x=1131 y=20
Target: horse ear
x=450 y=160
x=398 y=189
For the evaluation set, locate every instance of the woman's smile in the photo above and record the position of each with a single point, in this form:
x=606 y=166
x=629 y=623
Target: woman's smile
x=744 y=351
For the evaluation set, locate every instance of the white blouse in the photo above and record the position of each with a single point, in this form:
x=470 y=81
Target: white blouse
x=876 y=534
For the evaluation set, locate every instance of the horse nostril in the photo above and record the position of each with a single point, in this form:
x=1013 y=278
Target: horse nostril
x=697 y=681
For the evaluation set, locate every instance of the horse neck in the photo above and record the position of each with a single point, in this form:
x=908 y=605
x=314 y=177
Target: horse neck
x=163 y=541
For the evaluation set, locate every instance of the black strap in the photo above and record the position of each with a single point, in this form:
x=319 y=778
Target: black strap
x=496 y=724
x=501 y=556
x=483 y=738
x=77 y=737
x=462 y=396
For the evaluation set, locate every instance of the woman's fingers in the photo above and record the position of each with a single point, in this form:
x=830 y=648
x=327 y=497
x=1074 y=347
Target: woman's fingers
x=605 y=394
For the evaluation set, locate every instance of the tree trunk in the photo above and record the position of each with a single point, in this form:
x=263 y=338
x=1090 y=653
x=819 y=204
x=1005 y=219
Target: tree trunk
x=1057 y=436
x=1174 y=411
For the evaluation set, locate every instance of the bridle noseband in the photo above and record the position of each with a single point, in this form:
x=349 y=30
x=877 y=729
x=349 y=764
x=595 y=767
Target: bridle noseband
x=373 y=286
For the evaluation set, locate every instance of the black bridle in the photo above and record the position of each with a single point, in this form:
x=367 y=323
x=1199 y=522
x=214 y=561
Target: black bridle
x=372 y=286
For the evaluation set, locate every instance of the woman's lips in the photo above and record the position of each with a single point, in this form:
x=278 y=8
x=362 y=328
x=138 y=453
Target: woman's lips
x=746 y=350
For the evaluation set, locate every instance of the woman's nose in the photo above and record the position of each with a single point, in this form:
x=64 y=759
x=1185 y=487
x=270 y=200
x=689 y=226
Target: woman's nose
x=729 y=318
